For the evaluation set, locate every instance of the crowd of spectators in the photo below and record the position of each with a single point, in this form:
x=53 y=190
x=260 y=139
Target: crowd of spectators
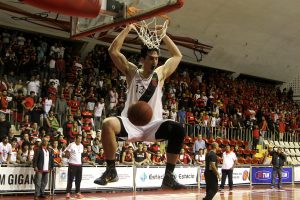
x=49 y=90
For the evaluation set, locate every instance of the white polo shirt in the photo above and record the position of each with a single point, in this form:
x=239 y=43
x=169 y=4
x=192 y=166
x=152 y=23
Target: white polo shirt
x=228 y=160
x=75 y=153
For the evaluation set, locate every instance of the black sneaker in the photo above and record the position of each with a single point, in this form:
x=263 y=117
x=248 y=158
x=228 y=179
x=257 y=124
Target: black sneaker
x=110 y=175
x=170 y=181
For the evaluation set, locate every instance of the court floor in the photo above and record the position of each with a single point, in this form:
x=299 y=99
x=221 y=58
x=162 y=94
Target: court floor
x=242 y=193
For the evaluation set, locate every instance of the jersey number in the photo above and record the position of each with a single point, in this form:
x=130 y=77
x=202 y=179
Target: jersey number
x=140 y=89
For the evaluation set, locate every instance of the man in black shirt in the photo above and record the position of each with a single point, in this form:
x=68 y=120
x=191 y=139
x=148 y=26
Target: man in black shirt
x=211 y=172
x=278 y=159
x=140 y=157
x=4 y=127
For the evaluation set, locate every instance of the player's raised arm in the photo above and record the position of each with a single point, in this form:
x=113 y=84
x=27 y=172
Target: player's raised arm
x=117 y=57
x=172 y=63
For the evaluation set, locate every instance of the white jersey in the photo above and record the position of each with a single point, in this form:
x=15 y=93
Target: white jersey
x=137 y=88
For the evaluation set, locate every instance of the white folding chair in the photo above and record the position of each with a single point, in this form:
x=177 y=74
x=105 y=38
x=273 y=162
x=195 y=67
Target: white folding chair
x=286 y=145
x=296 y=144
x=292 y=146
x=276 y=144
x=287 y=152
x=292 y=152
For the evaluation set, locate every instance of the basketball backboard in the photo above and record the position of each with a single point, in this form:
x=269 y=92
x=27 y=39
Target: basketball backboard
x=115 y=13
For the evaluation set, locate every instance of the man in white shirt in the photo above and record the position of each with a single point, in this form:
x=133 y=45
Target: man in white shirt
x=229 y=162
x=5 y=151
x=73 y=152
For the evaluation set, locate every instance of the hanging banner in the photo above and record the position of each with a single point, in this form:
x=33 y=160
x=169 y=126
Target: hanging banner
x=263 y=175
x=89 y=174
x=239 y=176
x=17 y=179
x=152 y=177
x=297 y=173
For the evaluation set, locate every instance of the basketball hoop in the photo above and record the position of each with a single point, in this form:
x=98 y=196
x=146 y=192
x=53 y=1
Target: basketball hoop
x=151 y=33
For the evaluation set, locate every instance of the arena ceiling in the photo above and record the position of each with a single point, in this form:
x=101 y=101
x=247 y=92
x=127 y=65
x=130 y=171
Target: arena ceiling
x=254 y=37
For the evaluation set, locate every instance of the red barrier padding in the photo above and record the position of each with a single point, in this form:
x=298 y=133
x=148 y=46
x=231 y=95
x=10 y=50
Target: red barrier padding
x=80 y=8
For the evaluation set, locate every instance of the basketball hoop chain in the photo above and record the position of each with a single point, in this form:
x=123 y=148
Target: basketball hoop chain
x=151 y=33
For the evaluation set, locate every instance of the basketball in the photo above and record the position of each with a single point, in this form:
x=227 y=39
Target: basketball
x=139 y=113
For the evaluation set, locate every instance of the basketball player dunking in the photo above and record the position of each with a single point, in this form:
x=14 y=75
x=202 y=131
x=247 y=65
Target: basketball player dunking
x=143 y=84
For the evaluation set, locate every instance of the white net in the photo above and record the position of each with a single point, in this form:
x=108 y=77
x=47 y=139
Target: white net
x=151 y=33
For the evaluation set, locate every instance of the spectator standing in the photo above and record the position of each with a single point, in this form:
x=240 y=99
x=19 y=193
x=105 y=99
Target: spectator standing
x=61 y=109
x=42 y=164
x=4 y=126
x=99 y=112
x=229 y=162
x=199 y=144
x=256 y=134
x=74 y=151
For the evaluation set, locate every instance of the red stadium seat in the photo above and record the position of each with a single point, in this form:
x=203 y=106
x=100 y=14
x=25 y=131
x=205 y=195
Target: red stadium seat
x=240 y=143
x=241 y=160
x=219 y=141
x=187 y=140
x=247 y=151
x=253 y=152
x=255 y=160
x=225 y=142
x=246 y=144
x=211 y=140
x=232 y=142
x=240 y=151
x=248 y=160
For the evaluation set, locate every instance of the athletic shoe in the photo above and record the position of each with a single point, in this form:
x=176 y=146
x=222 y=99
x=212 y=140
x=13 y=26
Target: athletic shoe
x=68 y=196
x=279 y=187
x=110 y=175
x=170 y=181
x=230 y=189
x=272 y=187
x=220 y=189
x=79 y=196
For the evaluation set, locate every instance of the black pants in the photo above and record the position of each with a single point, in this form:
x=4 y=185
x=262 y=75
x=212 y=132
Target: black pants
x=74 y=171
x=277 y=171
x=225 y=173
x=211 y=185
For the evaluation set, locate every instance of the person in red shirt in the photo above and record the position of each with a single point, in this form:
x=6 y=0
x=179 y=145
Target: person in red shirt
x=255 y=135
x=184 y=158
x=28 y=102
x=158 y=159
x=128 y=157
x=281 y=128
x=100 y=157
x=74 y=105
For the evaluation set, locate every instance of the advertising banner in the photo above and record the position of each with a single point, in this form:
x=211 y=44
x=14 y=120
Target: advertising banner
x=152 y=177
x=263 y=175
x=89 y=174
x=239 y=176
x=297 y=173
x=17 y=179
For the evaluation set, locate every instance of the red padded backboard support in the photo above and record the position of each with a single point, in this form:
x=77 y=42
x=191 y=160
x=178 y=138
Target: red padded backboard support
x=82 y=8
x=159 y=11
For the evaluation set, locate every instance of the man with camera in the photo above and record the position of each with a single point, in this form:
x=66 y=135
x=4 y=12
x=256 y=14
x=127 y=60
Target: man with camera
x=278 y=160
